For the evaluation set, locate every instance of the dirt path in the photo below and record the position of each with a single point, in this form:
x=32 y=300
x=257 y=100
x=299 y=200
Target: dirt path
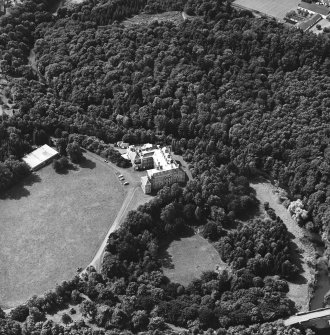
x=298 y=292
x=97 y=260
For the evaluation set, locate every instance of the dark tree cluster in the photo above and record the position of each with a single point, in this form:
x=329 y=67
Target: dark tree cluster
x=13 y=145
x=216 y=300
x=227 y=90
x=264 y=253
x=236 y=96
x=16 y=36
x=98 y=146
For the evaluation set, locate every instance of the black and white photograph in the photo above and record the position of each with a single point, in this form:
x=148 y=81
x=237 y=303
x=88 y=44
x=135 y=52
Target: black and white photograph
x=164 y=167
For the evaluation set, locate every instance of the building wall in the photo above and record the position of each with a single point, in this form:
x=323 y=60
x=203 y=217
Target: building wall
x=146 y=188
x=44 y=163
x=167 y=178
x=312 y=12
x=147 y=163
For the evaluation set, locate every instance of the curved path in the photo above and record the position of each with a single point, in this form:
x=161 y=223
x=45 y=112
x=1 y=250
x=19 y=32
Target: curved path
x=97 y=260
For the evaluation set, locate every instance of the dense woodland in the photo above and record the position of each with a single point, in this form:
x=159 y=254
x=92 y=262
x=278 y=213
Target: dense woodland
x=238 y=97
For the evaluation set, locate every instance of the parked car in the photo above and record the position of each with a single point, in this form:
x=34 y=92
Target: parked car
x=120 y=176
x=126 y=183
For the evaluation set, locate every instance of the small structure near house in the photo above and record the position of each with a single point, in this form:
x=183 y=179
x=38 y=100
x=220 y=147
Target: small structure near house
x=40 y=157
x=122 y=145
x=312 y=8
x=141 y=157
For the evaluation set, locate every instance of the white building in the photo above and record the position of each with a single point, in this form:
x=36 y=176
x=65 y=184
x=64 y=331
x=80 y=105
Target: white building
x=40 y=157
x=165 y=172
x=141 y=157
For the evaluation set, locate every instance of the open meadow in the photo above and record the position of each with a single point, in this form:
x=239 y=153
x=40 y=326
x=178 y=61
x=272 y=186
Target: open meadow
x=188 y=257
x=52 y=224
x=277 y=9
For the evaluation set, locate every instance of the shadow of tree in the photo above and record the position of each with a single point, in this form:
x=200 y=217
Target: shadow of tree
x=87 y=164
x=71 y=167
x=19 y=191
x=297 y=259
x=166 y=260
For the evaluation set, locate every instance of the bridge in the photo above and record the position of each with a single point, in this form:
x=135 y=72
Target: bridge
x=319 y=318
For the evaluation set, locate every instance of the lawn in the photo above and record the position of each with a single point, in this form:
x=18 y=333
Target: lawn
x=323 y=23
x=52 y=224
x=188 y=257
x=273 y=8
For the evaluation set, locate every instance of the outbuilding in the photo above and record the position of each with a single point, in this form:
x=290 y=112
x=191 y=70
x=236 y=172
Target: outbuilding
x=40 y=157
x=312 y=8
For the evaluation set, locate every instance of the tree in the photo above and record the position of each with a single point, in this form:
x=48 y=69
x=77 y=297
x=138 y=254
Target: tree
x=36 y=314
x=74 y=152
x=210 y=231
x=61 y=146
x=6 y=177
x=140 y=320
x=19 y=313
x=75 y=296
x=88 y=309
x=119 y=318
x=61 y=164
x=66 y=318
x=157 y=323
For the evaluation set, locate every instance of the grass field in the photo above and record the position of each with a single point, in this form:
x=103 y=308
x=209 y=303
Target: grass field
x=52 y=224
x=189 y=257
x=277 y=9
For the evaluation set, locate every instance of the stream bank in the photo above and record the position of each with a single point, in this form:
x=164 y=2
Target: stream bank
x=322 y=280
x=309 y=290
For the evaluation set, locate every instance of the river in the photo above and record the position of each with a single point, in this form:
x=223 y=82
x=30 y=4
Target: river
x=322 y=277
x=323 y=285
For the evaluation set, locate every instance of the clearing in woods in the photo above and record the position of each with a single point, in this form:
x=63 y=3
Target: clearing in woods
x=53 y=223
x=277 y=8
x=145 y=19
x=188 y=257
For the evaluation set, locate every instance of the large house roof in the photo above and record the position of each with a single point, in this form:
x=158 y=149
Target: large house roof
x=39 y=156
x=315 y=8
